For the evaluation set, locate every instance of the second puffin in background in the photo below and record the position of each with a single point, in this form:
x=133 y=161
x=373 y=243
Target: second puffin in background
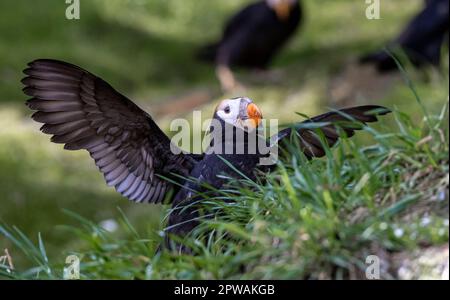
x=252 y=37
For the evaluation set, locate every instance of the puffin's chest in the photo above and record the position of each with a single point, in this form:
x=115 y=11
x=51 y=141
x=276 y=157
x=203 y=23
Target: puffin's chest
x=212 y=166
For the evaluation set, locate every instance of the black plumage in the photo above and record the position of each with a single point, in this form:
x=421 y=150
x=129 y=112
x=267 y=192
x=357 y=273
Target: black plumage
x=82 y=111
x=253 y=36
x=421 y=40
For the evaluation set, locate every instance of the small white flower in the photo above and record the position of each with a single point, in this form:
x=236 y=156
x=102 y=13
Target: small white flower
x=425 y=221
x=109 y=225
x=398 y=232
x=441 y=196
x=383 y=226
x=149 y=272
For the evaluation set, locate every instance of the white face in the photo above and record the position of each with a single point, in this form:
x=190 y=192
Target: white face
x=228 y=110
x=240 y=112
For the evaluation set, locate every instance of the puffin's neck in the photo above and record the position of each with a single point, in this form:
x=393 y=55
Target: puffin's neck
x=281 y=8
x=229 y=139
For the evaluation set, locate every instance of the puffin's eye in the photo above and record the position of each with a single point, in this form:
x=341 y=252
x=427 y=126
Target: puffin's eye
x=227 y=110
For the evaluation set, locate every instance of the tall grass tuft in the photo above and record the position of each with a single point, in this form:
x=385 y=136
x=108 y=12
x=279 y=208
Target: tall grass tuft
x=315 y=219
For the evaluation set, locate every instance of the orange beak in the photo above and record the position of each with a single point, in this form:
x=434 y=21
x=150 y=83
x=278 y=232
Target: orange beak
x=283 y=10
x=254 y=114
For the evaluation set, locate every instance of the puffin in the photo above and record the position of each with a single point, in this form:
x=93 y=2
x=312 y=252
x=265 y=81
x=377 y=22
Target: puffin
x=252 y=38
x=422 y=39
x=82 y=111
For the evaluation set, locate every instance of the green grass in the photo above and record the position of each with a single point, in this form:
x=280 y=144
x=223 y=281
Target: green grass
x=309 y=219
x=144 y=49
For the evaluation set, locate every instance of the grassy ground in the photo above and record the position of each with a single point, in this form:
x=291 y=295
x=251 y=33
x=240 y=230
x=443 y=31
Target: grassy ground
x=321 y=227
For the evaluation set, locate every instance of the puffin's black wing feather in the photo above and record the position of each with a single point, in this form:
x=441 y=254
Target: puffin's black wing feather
x=348 y=119
x=82 y=111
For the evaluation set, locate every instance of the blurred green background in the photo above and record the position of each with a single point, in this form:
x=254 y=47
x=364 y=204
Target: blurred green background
x=145 y=50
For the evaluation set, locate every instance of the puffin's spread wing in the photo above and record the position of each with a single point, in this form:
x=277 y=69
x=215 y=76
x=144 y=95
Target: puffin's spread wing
x=82 y=111
x=348 y=119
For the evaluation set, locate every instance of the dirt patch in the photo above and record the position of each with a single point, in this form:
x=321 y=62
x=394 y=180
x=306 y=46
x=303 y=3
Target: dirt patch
x=357 y=84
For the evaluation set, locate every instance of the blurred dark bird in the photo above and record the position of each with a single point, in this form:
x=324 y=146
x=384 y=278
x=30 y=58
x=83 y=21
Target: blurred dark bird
x=421 y=40
x=82 y=111
x=252 y=38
